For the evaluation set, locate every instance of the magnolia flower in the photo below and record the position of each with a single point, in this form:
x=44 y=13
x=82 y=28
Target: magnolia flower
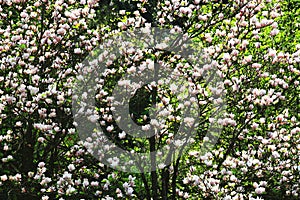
x=260 y=190
x=24 y=15
x=18 y=177
x=45 y=181
x=280 y=55
x=41 y=139
x=77 y=51
x=272 y=52
x=113 y=161
x=256 y=65
x=248 y=58
x=44 y=197
x=274 y=32
x=122 y=135
x=71 y=167
x=70 y=190
x=18 y=124
x=275 y=154
x=3 y=177
x=146 y=127
x=186 y=195
x=173 y=88
x=129 y=191
x=85 y=182
x=161 y=20
x=41 y=164
x=110 y=128
x=245 y=43
x=61 y=31
x=94 y=183
x=122 y=12
x=226 y=56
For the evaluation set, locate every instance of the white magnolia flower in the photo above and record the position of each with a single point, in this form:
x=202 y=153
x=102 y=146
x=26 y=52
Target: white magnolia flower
x=122 y=135
x=71 y=167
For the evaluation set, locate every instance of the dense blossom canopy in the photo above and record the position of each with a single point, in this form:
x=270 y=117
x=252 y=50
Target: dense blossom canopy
x=253 y=46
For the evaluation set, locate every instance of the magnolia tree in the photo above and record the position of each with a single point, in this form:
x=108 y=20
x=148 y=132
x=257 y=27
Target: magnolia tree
x=239 y=92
